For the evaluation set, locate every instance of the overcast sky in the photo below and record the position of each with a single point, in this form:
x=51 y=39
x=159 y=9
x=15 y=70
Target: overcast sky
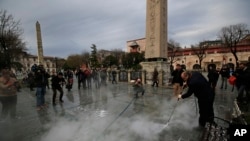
x=72 y=26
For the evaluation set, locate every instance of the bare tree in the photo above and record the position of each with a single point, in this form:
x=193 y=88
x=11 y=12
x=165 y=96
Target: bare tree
x=231 y=36
x=173 y=48
x=11 y=44
x=200 y=50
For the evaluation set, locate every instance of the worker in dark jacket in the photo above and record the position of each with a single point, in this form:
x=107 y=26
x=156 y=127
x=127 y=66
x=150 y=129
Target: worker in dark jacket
x=57 y=82
x=213 y=77
x=199 y=85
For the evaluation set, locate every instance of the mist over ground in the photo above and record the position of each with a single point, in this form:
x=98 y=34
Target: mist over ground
x=125 y=119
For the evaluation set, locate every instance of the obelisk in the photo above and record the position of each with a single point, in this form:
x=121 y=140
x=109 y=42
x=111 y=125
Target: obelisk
x=39 y=44
x=156 y=40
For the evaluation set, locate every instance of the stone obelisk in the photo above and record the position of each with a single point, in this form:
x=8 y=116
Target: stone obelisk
x=156 y=40
x=39 y=44
x=156 y=30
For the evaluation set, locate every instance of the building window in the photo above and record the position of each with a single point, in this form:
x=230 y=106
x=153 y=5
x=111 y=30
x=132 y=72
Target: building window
x=212 y=60
x=196 y=61
x=230 y=59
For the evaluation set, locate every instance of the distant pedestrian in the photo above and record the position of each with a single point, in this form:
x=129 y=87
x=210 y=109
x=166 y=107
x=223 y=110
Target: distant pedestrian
x=95 y=76
x=103 y=75
x=224 y=72
x=69 y=78
x=47 y=76
x=155 y=78
x=31 y=80
x=114 y=77
x=88 y=77
x=138 y=88
x=40 y=81
x=8 y=94
x=57 y=83
x=177 y=80
x=213 y=76
x=81 y=78
x=199 y=86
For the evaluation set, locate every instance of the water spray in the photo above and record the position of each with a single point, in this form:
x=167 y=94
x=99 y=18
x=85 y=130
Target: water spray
x=106 y=129
x=172 y=113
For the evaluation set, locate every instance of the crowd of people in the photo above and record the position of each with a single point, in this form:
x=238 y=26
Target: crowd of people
x=203 y=87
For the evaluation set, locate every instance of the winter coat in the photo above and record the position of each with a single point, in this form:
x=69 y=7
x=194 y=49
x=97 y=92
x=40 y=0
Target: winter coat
x=224 y=72
x=57 y=82
x=177 y=76
x=8 y=90
x=213 y=76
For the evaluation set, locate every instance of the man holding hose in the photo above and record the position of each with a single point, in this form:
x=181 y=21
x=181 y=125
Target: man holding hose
x=199 y=86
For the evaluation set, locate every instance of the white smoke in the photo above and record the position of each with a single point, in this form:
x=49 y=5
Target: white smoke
x=146 y=125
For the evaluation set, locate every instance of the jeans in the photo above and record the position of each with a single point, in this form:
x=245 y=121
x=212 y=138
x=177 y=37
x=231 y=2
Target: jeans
x=40 y=92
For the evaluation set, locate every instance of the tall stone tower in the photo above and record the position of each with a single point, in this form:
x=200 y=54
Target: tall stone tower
x=156 y=30
x=39 y=44
x=156 y=42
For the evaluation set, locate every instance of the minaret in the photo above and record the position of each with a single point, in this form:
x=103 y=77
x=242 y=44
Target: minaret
x=156 y=30
x=39 y=44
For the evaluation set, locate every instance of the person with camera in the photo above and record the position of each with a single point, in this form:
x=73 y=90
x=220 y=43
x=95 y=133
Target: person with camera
x=138 y=87
x=40 y=82
x=57 y=83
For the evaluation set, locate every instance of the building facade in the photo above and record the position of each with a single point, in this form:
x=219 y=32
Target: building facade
x=215 y=54
x=27 y=60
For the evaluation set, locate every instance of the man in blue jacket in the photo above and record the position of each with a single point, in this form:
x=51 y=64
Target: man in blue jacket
x=199 y=86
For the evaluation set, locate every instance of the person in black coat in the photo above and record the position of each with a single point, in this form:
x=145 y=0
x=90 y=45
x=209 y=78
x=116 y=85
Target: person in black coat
x=225 y=73
x=213 y=77
x=243 y=82
x=40 y=84
x=177 y=80
x=57 y=82
x=199 y=86
x=81 y=78
x=155 y=77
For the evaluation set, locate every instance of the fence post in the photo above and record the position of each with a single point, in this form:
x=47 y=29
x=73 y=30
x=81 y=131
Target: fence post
x=117 y=75
x=161 y=77
x=143 y=76
x=129 y=74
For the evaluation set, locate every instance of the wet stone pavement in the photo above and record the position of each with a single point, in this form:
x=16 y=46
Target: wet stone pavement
x=110 y=113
